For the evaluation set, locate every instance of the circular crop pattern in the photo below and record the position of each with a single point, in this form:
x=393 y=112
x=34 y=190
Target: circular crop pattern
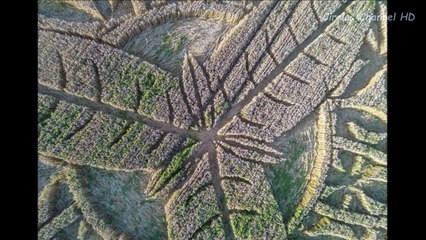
x=212 y=120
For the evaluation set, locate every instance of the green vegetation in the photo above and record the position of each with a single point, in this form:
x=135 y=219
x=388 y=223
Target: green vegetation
x=60 y=123
x=151 y=88
x=298 y=212
x=288 y=178
x=220 y=107
x=125 y=84
x=171 y=45
x=101 y=151
x=248 y=225
x=153 y=83
x=116 y=128
x=43 y=113
x=176 y=163
x=371 y=3
x=46 y=105
x=207 y=119
x=241 y=224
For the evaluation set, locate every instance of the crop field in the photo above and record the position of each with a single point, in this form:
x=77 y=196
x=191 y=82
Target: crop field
x=212 y=119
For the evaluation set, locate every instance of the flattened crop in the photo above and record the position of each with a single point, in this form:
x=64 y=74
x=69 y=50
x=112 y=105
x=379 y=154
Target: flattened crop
x=212 y=120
